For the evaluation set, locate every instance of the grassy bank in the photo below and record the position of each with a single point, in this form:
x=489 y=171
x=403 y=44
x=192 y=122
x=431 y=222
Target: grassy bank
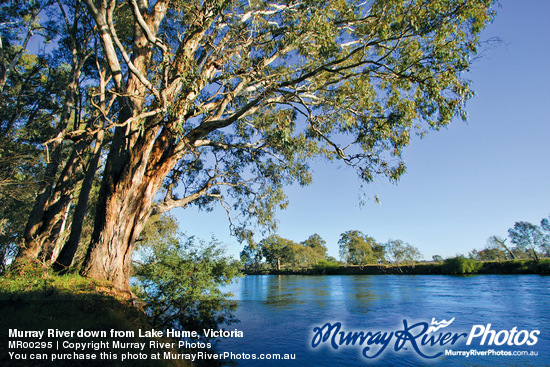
x=453 y=266
x=33 y=299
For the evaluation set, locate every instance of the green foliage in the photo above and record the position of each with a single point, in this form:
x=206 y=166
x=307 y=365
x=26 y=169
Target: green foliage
x=488 y=254
x=543 y=267
x=357 y=248
x=327 y=267
x=27 y=268
x=179 y=279
x=437 y=258
x=531 y=239
x=251 y=256
x=401 y=253
x=34 y=108
x=277 y=251
x=317 y=244
x=281 y=252
x=460 y=265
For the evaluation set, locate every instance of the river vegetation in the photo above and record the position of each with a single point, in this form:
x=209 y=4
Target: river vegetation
x=179 y=278
x=528 y=252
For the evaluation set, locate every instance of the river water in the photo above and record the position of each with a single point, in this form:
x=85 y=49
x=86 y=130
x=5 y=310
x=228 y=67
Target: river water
x=279 y=314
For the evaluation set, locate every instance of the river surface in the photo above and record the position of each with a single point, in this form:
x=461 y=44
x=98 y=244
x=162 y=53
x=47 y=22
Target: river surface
x=279 y=314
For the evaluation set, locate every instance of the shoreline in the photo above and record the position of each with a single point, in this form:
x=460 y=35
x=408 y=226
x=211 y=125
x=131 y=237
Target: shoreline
x=507 y=267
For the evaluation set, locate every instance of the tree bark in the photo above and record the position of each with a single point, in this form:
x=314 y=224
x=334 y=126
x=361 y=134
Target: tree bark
x=44 y=211
x=43 y=228
x=67 y=253
x=125 y=199
x=30 y=248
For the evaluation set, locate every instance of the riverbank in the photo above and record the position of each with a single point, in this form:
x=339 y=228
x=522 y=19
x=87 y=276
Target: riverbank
x=99 y=325
x=455 y=266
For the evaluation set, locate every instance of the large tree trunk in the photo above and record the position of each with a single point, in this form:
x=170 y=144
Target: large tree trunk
x=128 y=188
x=49 y=206
x=47 y=219
x=67 y=253
x=30 y=247
x=138 y=161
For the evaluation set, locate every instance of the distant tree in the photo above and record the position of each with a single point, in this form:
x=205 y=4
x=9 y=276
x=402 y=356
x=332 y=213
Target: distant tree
x=545 y=227
x=488 y=254
x=316 y=243
x=357 y=248
x=278 y=251
x=251 y=256
x=401 y=253
x=498 y=242
x=437 y=258
x=304 y=256
x=528 y=237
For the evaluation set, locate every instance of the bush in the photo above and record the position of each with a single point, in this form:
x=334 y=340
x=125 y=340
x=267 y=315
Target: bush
x=179 y=282
x=326 y=267
x=460 y=265
x=543 y=267
x=27 y=268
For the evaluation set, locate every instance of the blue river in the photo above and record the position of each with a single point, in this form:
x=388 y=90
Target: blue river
x=491 y=320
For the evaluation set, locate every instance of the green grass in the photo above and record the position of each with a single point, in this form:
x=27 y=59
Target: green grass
x=32 y=298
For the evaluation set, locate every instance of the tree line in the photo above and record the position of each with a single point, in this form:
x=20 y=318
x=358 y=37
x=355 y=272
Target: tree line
x=526 y=241
x=356 y=248
x=112 y=111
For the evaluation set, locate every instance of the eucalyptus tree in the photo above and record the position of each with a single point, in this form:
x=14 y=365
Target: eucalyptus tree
x=496 y=242
x=317 y=244
x=401 y=253
x=278 y=251
x=530 y=238
x=356 y=248
x=67 y=152
x=222 y=101
x=29 y=90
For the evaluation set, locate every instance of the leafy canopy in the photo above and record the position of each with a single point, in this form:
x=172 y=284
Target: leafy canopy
x=251 y=91
x=356 y=248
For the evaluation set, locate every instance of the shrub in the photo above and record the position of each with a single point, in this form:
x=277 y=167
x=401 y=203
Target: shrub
x=326 y=267
x=179 y=282
x=460 y=265
x=543 y=267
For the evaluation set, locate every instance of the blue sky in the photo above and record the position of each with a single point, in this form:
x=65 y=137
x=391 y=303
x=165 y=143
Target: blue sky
x=464 y=183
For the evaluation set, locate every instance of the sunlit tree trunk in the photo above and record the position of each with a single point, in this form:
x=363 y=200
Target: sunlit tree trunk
x=124 y=204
